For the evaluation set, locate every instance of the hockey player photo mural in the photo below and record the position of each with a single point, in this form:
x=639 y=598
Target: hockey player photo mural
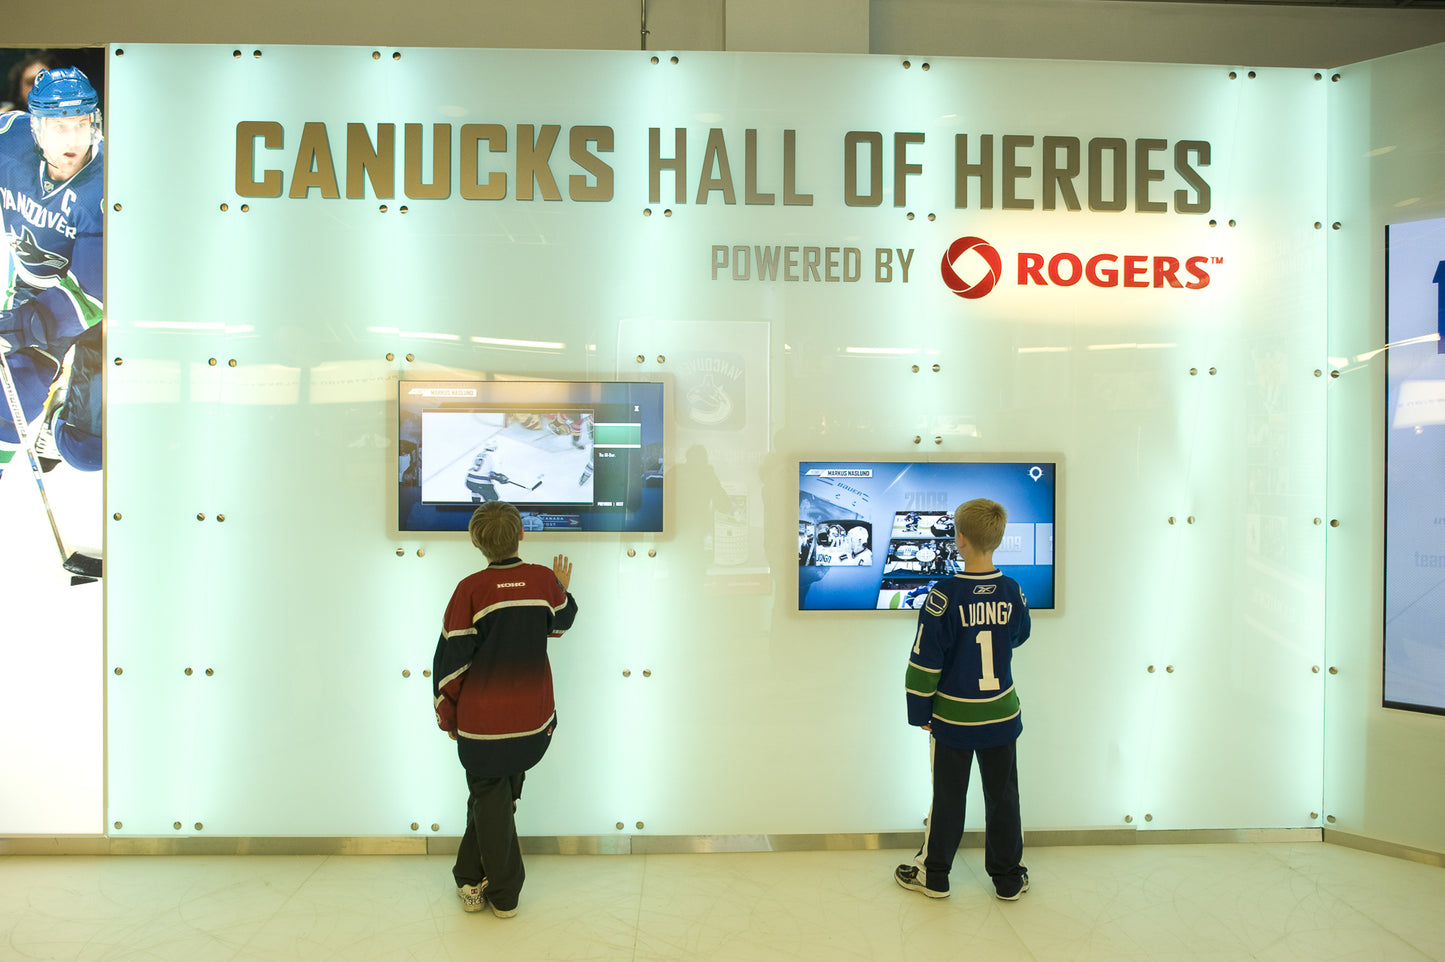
x=51 y=196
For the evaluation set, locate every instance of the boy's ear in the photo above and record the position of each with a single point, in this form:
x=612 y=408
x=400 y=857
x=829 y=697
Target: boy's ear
x=520 y=536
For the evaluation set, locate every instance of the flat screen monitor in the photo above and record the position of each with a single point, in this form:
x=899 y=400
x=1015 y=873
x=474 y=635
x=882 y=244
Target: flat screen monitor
x=878 y=534
x=571 y=455
x=1414 y=454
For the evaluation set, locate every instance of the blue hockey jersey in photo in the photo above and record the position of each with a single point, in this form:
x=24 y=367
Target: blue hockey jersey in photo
x=53 y=230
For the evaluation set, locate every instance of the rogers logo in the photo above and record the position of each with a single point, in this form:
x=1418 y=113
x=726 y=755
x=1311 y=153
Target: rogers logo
x=1066 y=269
x=1112 y=270
x=990 y=257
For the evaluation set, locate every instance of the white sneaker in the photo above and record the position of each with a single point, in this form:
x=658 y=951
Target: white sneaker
x=908 y=877
x=500 y=913
x=471 y=896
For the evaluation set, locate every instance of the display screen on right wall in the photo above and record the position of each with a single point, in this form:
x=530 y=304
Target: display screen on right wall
x=878 y=534
x=1415 y=466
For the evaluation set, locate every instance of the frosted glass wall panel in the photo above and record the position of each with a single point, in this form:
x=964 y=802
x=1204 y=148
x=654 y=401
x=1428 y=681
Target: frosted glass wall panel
x=784 y=286
x=1246 y=565
x=1383 y=768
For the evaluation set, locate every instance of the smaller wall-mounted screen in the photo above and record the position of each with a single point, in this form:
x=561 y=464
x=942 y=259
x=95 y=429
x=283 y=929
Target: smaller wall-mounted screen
x=1414 y=454
x=878 y=534
x=571 y=455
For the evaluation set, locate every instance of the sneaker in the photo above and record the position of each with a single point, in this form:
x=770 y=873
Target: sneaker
x=497 y=910
x=1023 y=887
x=907 y=876
x=471 y=896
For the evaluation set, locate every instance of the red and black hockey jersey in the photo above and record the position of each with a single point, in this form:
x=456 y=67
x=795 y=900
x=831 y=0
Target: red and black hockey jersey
x=491 y=680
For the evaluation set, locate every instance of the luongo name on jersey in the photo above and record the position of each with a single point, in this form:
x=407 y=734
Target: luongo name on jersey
x=960 y=674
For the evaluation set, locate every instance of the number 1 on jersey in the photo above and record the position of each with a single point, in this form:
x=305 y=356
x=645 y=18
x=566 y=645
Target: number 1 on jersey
x=987 y=682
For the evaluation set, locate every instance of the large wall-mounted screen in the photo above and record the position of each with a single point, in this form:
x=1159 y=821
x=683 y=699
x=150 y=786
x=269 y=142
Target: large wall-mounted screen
x=878 y=534
x=571 y=455
x=1414 y=454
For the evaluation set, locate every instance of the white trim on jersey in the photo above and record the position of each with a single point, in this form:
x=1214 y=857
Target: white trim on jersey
x=449 y=678
x=493 y=738
x=978 y=701
x=519 y=603
x=991 y=721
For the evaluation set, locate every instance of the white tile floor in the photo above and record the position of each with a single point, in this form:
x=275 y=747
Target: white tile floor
x=1307 y=901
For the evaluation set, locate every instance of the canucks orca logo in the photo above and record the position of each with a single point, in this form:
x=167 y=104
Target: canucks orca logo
x=708 y=403
x=29 y=252
x=937 y=602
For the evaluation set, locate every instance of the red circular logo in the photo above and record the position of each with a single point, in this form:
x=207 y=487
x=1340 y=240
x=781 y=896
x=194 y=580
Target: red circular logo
x=990 y=257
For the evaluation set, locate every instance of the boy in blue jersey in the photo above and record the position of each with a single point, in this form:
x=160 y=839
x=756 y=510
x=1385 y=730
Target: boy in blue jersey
x=960 y=689
x=492 y=688
x=51 y=182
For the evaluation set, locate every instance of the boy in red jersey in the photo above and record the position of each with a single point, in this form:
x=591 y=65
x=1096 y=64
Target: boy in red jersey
x=960 y=689
x=492 y=686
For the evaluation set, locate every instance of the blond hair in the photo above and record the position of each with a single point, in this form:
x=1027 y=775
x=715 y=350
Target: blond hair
x=496 y=528
x=981 y=522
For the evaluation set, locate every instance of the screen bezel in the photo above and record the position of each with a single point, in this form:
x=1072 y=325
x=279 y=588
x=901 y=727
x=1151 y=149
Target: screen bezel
x=648 y=516
x=1053 y=459
x=1387 y=636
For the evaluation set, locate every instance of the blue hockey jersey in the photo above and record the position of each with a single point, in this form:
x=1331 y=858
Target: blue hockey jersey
x=960 y=674
x=53 y=230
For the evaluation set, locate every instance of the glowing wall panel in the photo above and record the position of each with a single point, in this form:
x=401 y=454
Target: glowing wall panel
x=791 y=288
x=1383 y=767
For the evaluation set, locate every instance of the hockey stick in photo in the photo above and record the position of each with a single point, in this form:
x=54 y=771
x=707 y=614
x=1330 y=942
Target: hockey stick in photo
x=76 y=562
x=503 y=479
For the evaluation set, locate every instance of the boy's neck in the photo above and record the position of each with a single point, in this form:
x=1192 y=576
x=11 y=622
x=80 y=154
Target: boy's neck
x=977 y=564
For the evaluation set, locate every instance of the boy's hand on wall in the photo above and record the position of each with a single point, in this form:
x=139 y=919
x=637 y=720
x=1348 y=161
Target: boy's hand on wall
x=562 y=568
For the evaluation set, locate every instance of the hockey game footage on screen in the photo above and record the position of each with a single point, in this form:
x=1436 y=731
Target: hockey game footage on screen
x=879 y=534
x=582 y=456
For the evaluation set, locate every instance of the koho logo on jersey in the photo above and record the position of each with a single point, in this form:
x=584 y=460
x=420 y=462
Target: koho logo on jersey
x=1105 y=269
